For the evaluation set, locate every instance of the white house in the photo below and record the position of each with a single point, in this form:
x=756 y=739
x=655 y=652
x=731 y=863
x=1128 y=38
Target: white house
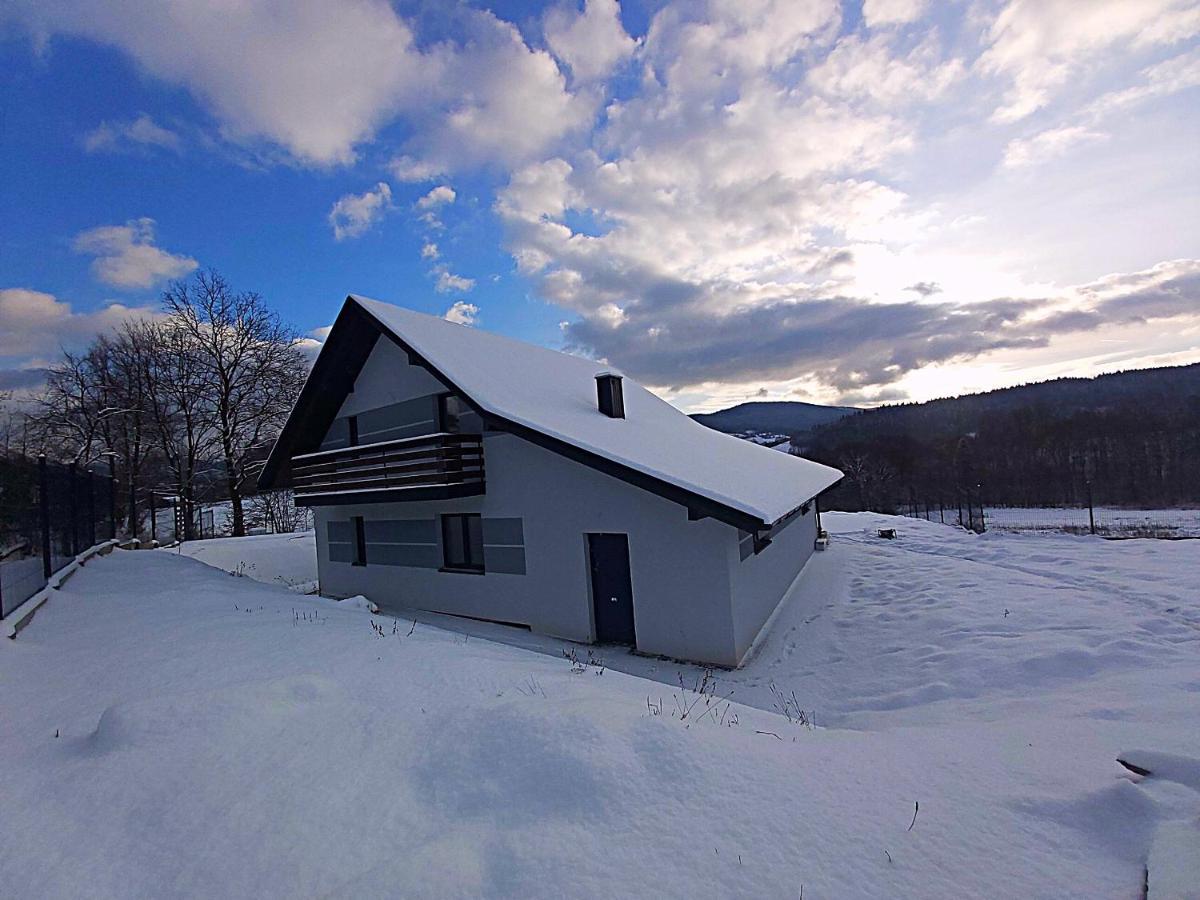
x=466 y=473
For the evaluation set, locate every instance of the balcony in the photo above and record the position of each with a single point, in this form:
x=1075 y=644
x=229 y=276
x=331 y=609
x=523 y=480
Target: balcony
x=428 y=467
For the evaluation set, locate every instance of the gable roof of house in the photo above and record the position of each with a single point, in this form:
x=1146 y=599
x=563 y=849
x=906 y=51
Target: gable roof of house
x=550 y=398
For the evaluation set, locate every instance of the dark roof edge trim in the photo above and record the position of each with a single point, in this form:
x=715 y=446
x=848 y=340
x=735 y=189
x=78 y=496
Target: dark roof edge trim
x=324 y=368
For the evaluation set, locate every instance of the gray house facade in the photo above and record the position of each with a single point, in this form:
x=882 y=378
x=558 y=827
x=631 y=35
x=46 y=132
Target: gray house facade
x=460 y=472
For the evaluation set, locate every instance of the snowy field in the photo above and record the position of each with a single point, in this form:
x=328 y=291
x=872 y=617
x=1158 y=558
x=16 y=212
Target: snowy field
x=1110 y=521
x=170 y=730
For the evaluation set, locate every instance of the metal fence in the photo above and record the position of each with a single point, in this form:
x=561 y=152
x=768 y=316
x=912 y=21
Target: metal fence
x=1106 y=521
x=49 y=513
x=961 y=507
x=970 y=510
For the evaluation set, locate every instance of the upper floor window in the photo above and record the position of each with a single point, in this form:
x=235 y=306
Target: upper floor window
x=458 y=418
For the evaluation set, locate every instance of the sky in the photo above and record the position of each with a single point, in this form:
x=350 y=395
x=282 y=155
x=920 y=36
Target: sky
x=859 y=202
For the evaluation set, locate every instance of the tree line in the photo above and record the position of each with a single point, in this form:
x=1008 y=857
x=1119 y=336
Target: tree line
x=1128 y=439
x=188 y=400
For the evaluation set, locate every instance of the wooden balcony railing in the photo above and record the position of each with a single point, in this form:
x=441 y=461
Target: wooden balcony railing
x=428 y=467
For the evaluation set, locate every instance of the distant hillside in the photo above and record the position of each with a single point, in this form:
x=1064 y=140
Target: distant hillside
x=1060 y=397
x=1134 y=436
x=778 y=417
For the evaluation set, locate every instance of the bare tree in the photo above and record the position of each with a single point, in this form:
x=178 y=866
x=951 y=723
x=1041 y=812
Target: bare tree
x=175 y=386
x=14 y=430
x=252 y=369
x=277 y=512
x=130 y=435
x=73 y=409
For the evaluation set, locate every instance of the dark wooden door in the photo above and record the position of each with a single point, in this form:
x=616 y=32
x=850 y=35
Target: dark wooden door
x=612 y=588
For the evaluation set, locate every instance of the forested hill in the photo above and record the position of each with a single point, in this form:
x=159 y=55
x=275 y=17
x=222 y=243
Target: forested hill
x=1135 y=436
x=781 y=417
x=1057 y=399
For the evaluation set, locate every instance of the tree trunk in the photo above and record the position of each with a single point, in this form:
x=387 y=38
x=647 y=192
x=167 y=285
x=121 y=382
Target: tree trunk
x=235 y=501
x=234 y=487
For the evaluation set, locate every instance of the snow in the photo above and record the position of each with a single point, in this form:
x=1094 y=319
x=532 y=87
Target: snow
x=217 y=736
x=1110 y=520
x=555 y=394
x=287 y=559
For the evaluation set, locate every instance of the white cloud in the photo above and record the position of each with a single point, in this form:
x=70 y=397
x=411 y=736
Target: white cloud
x=429 y=250
x=314 y=77
x=1047 y=145
x=892 y=12
x=34 y=323
x=353 y=214
x=1038 y=45
x=409 y=170
x=592 y=41
x=497 y=102
x=448 y=282
x=1162 y=79
x=1159 y=80
x=126 y=257
x=112 y=136
x=430 y=203
x=439 y=196
x=320 y=79
x=858 y=69
x=462 y=313
x=745 y=202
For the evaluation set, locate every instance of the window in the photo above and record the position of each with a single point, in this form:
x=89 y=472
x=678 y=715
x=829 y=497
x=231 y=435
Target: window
x=462 y=542
x=352 y=425
x=360 y=542
x=458 y=418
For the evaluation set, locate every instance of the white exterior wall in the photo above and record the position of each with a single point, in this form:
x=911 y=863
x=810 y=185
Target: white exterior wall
x=387 y=378
x=693 y=597
x=679 y=569
x=760 y=582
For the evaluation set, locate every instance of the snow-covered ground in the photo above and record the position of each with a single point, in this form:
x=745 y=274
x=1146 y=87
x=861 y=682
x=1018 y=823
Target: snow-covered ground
x=287 y=559
x=170 y=730
x=1109 y=520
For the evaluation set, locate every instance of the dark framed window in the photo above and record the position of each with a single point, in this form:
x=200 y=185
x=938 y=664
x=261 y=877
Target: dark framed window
x=462 y=542
x=360 y=542
x=457 y=417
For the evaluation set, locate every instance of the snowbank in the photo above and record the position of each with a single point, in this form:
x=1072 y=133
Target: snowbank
x=169 y=729
x=287 y=559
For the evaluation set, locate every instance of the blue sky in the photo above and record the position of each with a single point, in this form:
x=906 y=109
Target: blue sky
x=856 y=202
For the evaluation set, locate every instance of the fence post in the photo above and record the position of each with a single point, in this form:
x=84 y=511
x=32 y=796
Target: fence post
x=133 y=517
x=1091 y=510
x=91 y=507
x=72 y=490
x=112 y=507
x=153 y=519
x=44 y=513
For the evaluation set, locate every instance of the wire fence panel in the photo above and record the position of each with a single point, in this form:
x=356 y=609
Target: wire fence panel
x=1106 y=521
x=966 y=508
x=963 y=508
x=49 y=513
x=21 y=569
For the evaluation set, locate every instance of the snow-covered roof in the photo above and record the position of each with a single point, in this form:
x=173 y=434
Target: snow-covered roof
x=554 y=394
